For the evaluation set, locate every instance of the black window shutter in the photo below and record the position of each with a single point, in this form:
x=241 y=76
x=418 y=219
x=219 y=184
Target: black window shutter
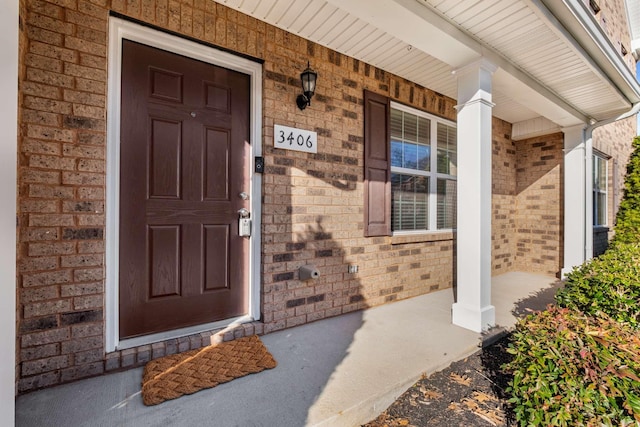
x=377 y=185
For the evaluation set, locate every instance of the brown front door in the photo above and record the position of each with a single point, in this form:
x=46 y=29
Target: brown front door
x=184 y=156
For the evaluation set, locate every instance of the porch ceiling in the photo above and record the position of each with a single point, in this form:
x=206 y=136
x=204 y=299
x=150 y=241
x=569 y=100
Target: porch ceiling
x=547 y=66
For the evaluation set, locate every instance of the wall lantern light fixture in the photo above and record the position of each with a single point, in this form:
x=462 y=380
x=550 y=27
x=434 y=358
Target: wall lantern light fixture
x=308 y=78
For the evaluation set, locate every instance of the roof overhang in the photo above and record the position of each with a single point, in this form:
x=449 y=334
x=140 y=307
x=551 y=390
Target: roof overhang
x=554 y=60
x=633 y=17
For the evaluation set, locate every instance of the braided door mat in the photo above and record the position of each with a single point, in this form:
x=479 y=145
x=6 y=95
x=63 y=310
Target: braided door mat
x=185 y=373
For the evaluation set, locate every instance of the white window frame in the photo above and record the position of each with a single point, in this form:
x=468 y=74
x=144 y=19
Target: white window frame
x=432 y=174
x=600 y=157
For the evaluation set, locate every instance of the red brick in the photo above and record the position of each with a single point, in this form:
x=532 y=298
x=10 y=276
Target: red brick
x=81 y=289
x=46 y=36
x=37 y=234
x=91 y=165
x=93 y=35
x=44 y=104
x=41 y=206
x=85 y=20
x=28 y=295
x=43 y=63
x=51 y=24
x=80 y=260
x=89 y=111
x=51 y=162
x=46 y=49
x=46 y=132
x=50 y=191
x=68 y=4
x=37 y=264
x=83 y=206
x=51 y=248
x=93 y=86
x=84 y=97
x=46 y=8
x=49 y=78
x=90 y=247
x=82 y=150
x=84 y=72
x=87 y=302
x=82 y=178
x=88 y=220
x=49 y=220
x=31 y=146
x=40 y=177
x=41 y=90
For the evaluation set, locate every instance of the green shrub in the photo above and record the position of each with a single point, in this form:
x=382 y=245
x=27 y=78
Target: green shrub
x=570 y=369
x=609 y=285
x=627 y=226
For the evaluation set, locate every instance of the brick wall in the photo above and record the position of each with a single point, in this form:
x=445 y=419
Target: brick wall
x=312 y=203
x=615 y=140
x=539 y=204
x=61 y=192
x=503 y=220
x=612 y=18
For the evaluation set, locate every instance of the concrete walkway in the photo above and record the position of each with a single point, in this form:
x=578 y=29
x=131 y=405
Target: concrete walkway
x=341 y=371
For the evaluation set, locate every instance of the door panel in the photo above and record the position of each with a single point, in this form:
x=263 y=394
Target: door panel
x=164 y=162
x=184 y=161
x=217 y=152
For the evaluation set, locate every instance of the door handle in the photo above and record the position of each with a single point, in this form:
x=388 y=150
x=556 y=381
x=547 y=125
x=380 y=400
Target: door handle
x=244 y=213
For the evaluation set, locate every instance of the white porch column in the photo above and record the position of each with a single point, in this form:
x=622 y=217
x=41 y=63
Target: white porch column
x=473 y=309
x=8 y=185
x=578 y=214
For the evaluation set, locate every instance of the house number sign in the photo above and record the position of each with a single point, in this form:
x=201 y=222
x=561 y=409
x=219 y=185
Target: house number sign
x=295 y=139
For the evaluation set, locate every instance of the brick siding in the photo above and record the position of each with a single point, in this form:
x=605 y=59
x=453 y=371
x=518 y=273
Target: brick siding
x=312 y=211
x=503 y=188
x=539 y=204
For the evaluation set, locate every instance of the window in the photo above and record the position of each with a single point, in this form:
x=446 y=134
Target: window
x=423 y=185
x=410 y=168
x=600 y=190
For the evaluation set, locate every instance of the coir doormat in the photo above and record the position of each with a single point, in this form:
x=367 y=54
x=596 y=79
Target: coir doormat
x=173 y=376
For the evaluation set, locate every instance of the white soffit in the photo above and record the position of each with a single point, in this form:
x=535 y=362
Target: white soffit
x=541 y=73
x=633 y=15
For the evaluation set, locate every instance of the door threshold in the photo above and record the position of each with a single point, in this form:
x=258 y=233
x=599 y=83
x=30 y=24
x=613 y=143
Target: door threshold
x=182 y=332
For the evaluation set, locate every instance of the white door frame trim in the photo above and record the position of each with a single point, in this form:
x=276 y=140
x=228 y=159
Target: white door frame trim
x=120 y=29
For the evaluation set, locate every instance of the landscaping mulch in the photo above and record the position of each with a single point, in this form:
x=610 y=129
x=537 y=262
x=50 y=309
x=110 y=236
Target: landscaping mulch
x=470 y=392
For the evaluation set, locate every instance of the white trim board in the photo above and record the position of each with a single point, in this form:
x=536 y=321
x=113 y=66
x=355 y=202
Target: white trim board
x=8 y=178
x=120 y=29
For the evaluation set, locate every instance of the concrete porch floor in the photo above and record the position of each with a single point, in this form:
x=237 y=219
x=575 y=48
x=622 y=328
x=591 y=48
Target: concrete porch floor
x=341 y=371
